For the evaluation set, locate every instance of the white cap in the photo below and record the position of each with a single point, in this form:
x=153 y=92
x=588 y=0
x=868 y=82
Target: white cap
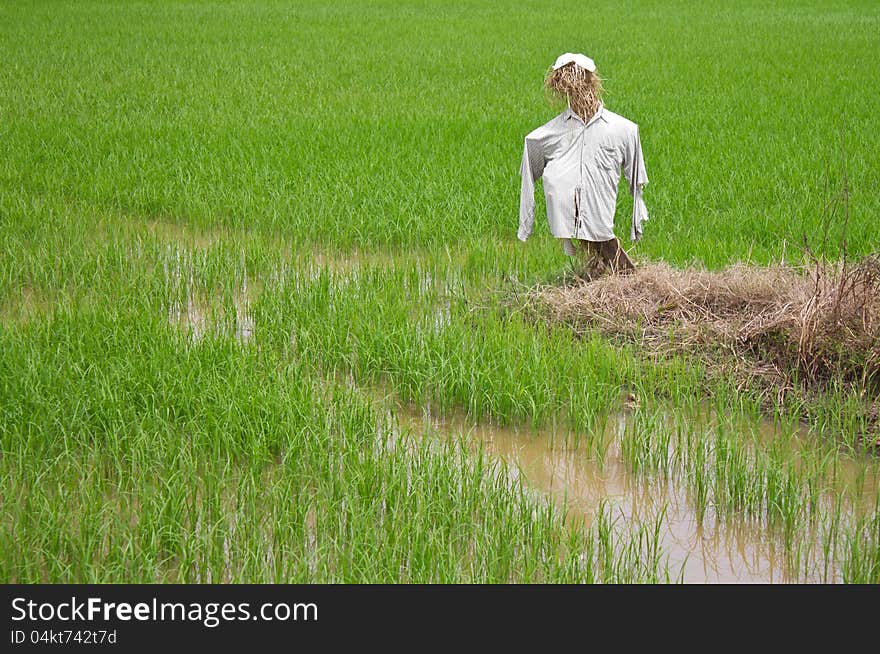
x=581 y=60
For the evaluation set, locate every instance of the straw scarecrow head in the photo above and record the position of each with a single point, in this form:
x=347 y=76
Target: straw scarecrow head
x=573 y=79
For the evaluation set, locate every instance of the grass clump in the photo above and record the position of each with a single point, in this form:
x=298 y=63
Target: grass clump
x=785 y=327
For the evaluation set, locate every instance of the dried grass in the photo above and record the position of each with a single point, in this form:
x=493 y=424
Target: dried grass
x=806 y=325
x=577 y=86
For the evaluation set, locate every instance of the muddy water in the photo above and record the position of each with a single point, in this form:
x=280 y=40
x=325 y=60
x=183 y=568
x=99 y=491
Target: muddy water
x=711 y=552
x=201 y=312
x=194 y=316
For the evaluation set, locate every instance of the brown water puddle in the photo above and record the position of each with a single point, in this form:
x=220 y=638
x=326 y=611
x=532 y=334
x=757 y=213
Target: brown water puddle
x=715 y=551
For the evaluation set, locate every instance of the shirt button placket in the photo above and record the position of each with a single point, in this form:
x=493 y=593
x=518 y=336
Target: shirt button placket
x=580 y=217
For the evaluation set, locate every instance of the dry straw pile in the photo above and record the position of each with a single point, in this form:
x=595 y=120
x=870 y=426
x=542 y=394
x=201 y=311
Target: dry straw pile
x=812 y=324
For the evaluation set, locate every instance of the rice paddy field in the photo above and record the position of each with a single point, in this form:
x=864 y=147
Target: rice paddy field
x=256 y=262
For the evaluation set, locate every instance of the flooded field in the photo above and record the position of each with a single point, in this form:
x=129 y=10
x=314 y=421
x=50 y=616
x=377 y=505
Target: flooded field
x=699 y=546
x=673 y=491
x=652 y=485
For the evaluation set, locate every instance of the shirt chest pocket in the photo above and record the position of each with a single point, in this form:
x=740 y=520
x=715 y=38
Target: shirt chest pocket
x=608 y=157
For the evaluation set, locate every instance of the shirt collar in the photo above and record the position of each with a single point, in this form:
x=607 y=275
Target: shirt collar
x=600 y=113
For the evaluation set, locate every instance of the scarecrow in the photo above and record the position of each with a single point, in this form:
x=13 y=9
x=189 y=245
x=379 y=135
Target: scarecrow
x=579 y=156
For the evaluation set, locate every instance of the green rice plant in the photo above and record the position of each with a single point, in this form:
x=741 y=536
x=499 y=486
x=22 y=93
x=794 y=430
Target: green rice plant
x=861 y=561
x=645 y=443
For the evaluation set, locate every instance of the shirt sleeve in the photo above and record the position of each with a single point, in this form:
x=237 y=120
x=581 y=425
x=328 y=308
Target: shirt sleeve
x=637 y=177
x=530 y=170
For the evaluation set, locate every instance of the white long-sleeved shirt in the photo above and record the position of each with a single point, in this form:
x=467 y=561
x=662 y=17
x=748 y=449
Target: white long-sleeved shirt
x=580 y=165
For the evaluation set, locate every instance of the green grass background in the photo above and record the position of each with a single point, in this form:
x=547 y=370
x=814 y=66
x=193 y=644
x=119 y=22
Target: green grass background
x=395 y=123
